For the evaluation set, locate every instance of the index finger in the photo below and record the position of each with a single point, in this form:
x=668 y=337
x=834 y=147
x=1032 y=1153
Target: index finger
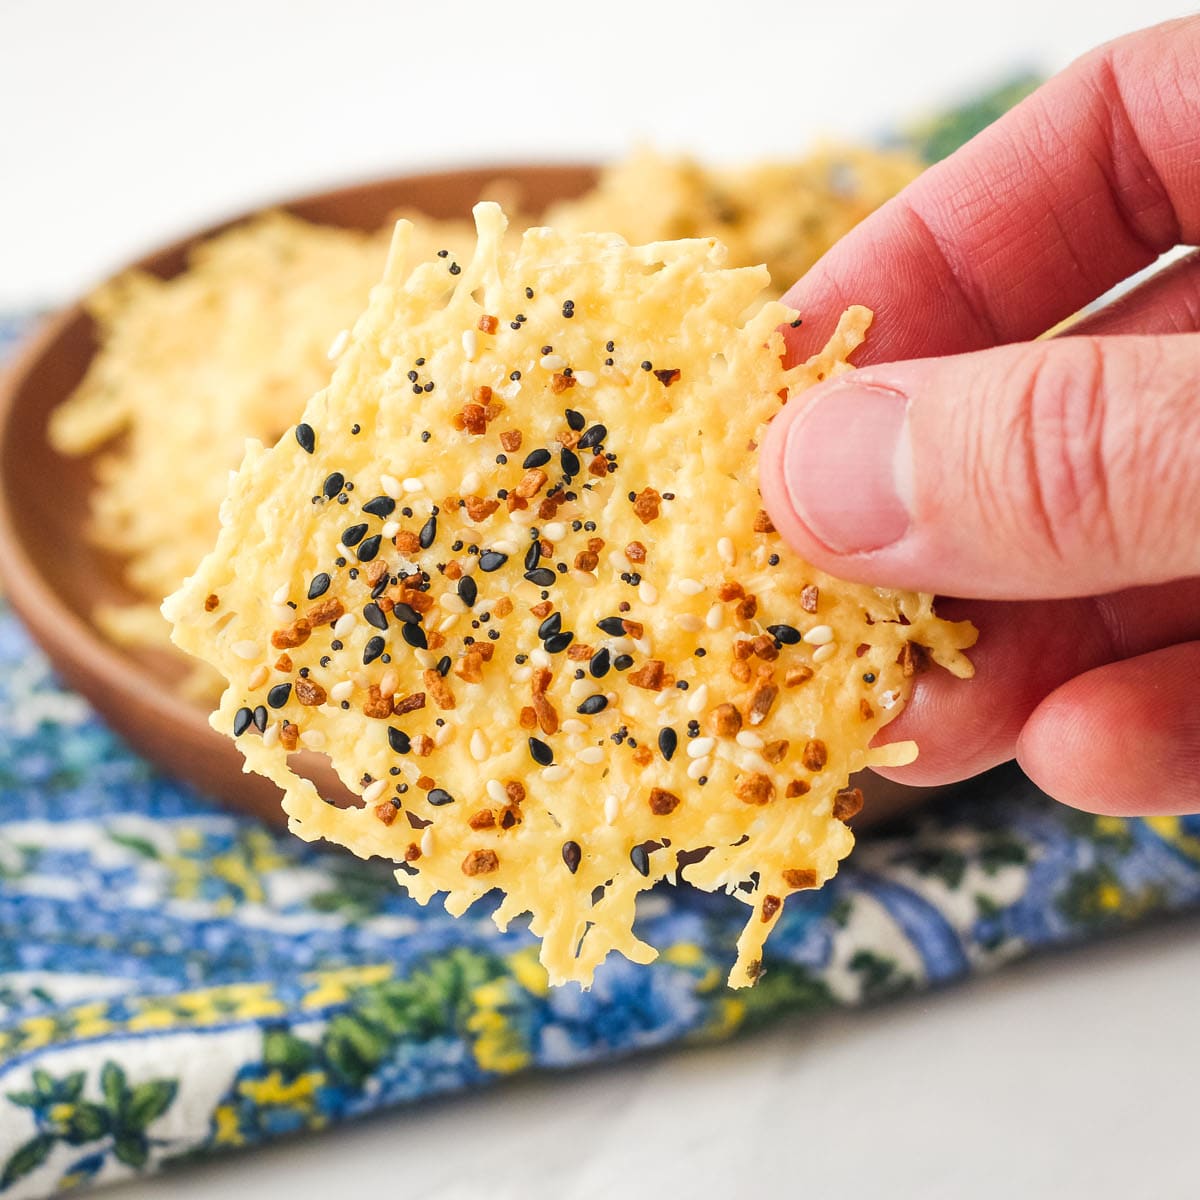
x=1085 y=182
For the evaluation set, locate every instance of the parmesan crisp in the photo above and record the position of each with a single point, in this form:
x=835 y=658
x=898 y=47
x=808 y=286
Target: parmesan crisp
x=512 y=575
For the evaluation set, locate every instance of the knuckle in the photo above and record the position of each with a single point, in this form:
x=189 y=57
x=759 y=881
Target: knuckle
x=1071 y=473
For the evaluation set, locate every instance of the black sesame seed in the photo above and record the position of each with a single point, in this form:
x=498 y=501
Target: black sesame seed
x=443 y=253
x=514 y=375
x=532 y=555
x=443 y=666
x=601 y=661
x=414 y=635
x=572 y=855
x=570 y=461
x=428 y=533
x=425 y=435
x=428 y=387
x=593 y=705
x=325 y=660
x=492 y=560
x=277 y=697
x=693 y=729
x=439 y=796
x=640 y=857
x=575 y=419
x=550 y=626
x=502 y=460
x=355 y=429
x=455 y=268
x=869 y=677
x=375 y=616
x=333 y=484
x=613 y=626
x=542 y=576
x=622 y=662
x=773 y=561
x=242 y=720
x=374 y=648
x=668 y=740
x=381 y=506
x=593 y=437
x=420 y=362
x=319 y=586
x=468 y=591
x=786 y=634
x=646 y=365
x=559 y=642
x=260 y=719
x=339 y=561
x=399 y=740
x=343 y=499
x=538 y=751
x=334 y=645
x=529 y=293
x=407 y=614
x=536 y=458
x=306 y=438
x=354 y=534
x=369 y=548
x=494 y=634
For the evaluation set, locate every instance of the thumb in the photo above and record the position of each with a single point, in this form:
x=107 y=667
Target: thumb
x=1031 y=471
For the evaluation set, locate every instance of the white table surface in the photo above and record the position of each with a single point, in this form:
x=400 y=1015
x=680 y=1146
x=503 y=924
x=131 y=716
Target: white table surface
x=125 y=123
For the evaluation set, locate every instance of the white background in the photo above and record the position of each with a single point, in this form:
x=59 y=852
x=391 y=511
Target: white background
x=125 y=123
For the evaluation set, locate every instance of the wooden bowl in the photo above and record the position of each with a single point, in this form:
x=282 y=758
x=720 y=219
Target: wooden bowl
x=54 y=577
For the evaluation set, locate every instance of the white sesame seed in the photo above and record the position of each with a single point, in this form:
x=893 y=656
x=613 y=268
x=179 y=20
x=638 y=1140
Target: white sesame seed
x=555 y=773
x=391 y=486
x=470 y=343
x=555 y=530
x=258 y=676
x=539 y=657
x=360 y=679
x=342 y=690
x=247 y=650
x=819 y=635
x=471 y=481
x=510 y=391
x=572 y=725
x=622 y=645
x=689 y=622
x=344 y=624
x=427 y=840
x=448 y=622
x=445 y=735
x=699 y=747
x=611 y=809
x=390 y=529
x=642 y=645
x=585 y=378
x=726 y=550
x=479 y=746
x=338 y=344
x=452 y=602
x=592 y=755
x=522 y=674
x=664 y=698
x=583 y=578
x=425 y=658
x=414 y=483
x=281 y=594
x=580 y=688
x=552 y=362
x=756 y=762
x=698 y=699
x=270 y=736
x=312 y=739
x=825 y=653
x=469 y=564
x=647 y=593
x=714 y=617
x=699 y=767
x=751 y=741
x=373 y=792
x=504 y=547
x=283 y=614
x=495 y=791
x=389 y=682
x=688 y=586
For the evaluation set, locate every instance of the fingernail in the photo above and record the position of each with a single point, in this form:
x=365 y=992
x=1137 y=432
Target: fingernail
x=848 y=466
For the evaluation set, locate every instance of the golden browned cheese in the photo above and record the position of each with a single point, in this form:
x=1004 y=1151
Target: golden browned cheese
x=522 y=700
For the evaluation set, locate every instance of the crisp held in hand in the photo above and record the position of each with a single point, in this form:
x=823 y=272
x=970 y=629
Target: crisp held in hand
x=512 y=574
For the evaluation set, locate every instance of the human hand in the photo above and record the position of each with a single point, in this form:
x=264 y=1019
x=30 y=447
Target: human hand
x=1056 y=481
